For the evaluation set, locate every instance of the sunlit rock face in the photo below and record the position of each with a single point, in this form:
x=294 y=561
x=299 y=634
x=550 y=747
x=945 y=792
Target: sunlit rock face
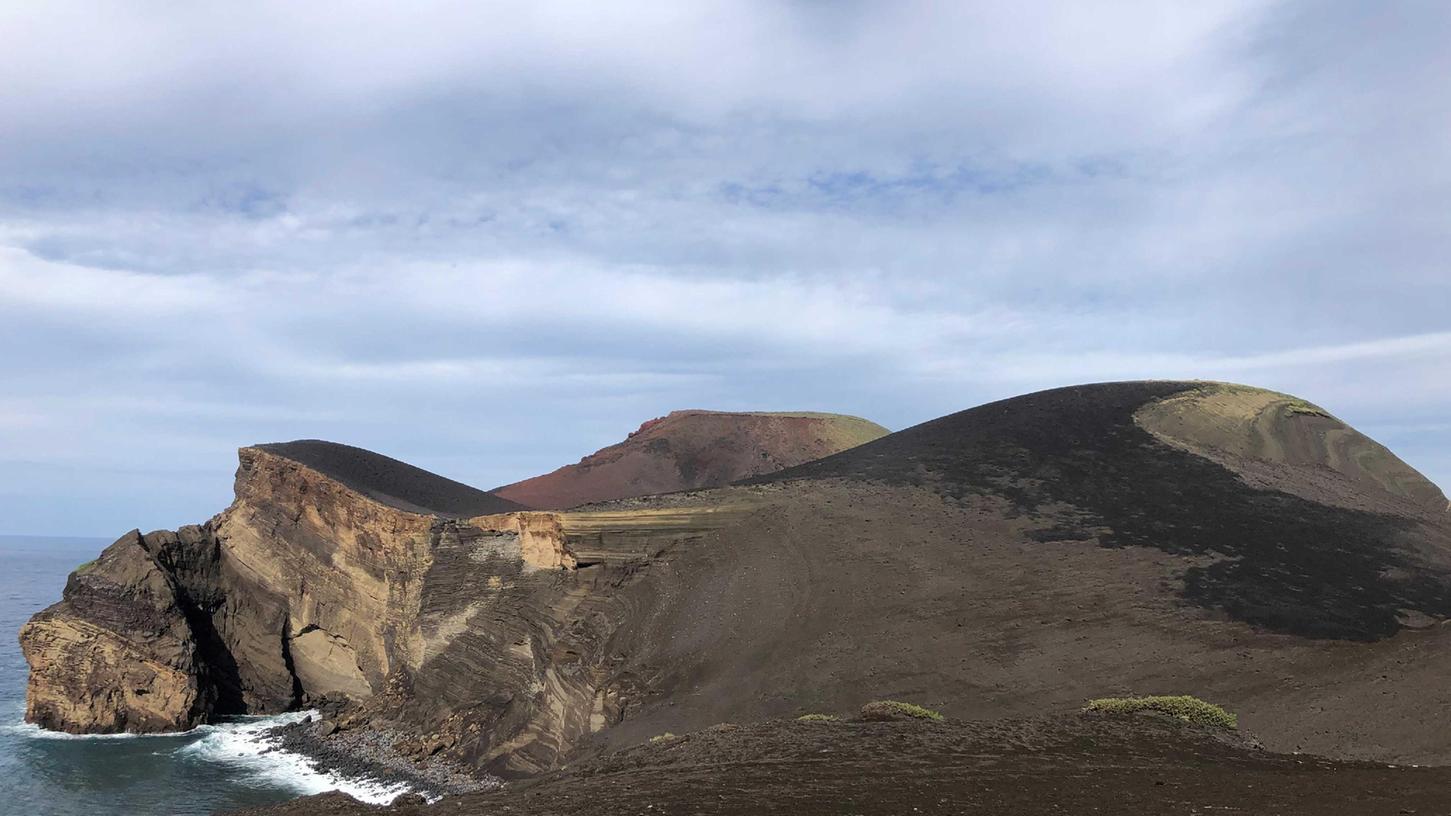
x=304 y=587
x=483 y=634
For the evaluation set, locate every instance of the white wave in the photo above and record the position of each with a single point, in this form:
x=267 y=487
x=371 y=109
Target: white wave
x=245 y=743
x=33 y=731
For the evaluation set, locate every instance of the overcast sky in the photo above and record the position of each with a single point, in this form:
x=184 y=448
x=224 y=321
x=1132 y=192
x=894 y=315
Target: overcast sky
x=489 y=241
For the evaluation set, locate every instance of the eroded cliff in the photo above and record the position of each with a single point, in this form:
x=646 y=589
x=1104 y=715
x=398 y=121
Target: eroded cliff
x=481 y=637
x=119 y=652
x=302 y=588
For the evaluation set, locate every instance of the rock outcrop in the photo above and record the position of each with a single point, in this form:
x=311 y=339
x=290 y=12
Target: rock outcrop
x=689 y=450
x=118 y=653
x=484 y=635
x=306 y=586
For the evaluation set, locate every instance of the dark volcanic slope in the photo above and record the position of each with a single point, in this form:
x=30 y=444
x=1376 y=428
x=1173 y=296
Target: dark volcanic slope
x=394 y=483
x=1286 y=562
x=1069 y=765
x=688 y=450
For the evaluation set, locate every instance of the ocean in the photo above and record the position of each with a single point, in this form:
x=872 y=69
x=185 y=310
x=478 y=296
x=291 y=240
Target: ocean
x=213 y=768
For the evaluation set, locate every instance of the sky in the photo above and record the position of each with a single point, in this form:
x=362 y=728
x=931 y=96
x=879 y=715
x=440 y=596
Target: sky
x=491 y=238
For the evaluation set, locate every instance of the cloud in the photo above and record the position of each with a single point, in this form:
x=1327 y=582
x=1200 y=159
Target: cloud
x=82 y=292
x=1433 y=349
x=491 y=239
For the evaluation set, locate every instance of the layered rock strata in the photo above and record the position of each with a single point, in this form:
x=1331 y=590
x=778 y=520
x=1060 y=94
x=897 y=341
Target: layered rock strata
x=481 y=636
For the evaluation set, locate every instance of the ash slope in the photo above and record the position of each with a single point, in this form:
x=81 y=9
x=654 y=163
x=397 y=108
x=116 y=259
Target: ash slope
x=1039 y=551
x=1315 y=530
x=1065 y=764
x=688 y=450
x=391 y=482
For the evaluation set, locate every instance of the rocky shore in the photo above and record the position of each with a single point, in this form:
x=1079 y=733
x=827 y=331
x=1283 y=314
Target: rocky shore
x=368 y=752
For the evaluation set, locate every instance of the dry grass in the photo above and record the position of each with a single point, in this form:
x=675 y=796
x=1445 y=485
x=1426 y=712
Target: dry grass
x=896 y=709
x=1184 y=707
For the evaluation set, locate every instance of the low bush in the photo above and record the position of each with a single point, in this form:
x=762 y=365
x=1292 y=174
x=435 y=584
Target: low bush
x=1184 y=707
x=882 y=710
x=662 y=737
x=817 y=718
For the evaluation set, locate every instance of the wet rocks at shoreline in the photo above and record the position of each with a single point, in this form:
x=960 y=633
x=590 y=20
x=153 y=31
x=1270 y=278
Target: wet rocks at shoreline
x=368 y=752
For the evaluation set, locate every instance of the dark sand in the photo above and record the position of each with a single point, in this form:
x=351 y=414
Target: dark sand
x=1072 y=764
x=394 y=483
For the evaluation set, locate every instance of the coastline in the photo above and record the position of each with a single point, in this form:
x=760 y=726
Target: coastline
x=366 y=752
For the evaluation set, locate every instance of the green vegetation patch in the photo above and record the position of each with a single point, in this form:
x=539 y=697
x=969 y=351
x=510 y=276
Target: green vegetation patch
x=817 y=718
x=1184 y=707
x=662 y=737
x=1303 y=408
x=86 y=566
x=897 y=710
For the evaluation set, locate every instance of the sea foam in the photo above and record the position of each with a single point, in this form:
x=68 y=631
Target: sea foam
x=247 y=744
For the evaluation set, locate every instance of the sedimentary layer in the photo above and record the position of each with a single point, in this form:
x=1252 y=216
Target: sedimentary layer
x=480 y=635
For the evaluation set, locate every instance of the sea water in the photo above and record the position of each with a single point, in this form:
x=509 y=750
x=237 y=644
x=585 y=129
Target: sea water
x=215 y=767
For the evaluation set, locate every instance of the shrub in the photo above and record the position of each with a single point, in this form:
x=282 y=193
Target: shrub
x=1184 y=707
x=662 y=737
x=817 y=718
x=896 y=710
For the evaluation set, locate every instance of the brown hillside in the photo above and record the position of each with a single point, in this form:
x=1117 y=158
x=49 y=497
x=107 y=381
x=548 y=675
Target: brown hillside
x=694 y=449
x=1015 y=558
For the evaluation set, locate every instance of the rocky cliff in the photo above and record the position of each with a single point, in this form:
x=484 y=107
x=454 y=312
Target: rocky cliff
x=308 y=585
x=331 y=578
x=689 y=450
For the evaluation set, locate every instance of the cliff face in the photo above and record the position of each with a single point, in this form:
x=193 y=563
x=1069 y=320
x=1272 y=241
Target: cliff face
x=689 y=450
x=481 y=636
x=514 y=664
x=302 y=588
x=118 y=653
